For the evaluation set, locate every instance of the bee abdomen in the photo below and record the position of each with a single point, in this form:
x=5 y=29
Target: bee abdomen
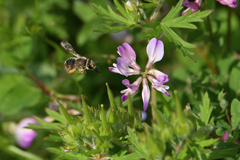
x=70 y=61
x=69 y=65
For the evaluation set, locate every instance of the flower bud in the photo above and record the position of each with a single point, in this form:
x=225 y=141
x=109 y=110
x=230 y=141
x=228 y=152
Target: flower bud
x=182 y=129
x=113 y=117
x=130 y=6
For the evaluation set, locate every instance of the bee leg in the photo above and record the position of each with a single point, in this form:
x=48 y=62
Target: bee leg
x=71 y=70
x=82 y=71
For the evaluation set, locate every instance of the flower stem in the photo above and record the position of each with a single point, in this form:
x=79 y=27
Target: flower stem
x=165 y=102
x=156 y=11
x=179 y=108
x=153 y=103
x=142 y=11
x=229 y=29
x=209 y=22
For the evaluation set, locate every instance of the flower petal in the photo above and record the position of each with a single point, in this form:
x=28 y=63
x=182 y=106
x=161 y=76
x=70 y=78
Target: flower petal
x=191 y=5
x=123 y=67
x=24 y=136
x=160 y=76
x=158 y=85
x=155 y=51
x=131 y=88
x=145 y=94
x=230 y=3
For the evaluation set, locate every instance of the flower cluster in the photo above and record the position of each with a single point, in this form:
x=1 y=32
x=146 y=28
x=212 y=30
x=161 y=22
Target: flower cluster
x=127 y=65
x=197 y=3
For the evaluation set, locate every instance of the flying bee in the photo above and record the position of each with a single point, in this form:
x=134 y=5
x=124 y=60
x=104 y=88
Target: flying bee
x=78 y=62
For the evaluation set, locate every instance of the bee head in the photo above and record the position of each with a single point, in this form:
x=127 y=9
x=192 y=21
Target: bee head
x=91 y=65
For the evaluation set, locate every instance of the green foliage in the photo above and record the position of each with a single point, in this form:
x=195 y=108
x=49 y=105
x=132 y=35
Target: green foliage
x=206 y=110
x=78 y=118
x=17 y=84
x=235 y=110
x=109 y=15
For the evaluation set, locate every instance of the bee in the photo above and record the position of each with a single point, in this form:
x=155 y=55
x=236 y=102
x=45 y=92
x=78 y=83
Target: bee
x=78 y=62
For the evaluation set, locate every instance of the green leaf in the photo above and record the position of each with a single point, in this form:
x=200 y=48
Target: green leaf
x=205 y=109
x=65 y=113
x=56 y=116
x=147 y=5
x=180 y=43
x=234 y=79
x=53 y=138
x=112 y=29
x=111 y=16
x=173 y=12
x=67 y=155
x=208 y=142
x=84 y=11
x=86 y=32
x=111 y=98
x=224 y=150
x=12 y=97
x=125 y=20
x=132 y=156
x=183 y=21
x=45 y=125
x=222 y=127
x=235 y=112
x=137 y=148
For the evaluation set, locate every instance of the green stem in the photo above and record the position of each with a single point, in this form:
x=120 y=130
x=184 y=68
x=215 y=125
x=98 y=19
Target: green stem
x=153 y=16
x=159 y=119
x=229 y=29
x=209 y=22
x=153 y=103
x=142 y=11
x=179 y=108
x=21 y=154
x=97 y=136
x=165 y=102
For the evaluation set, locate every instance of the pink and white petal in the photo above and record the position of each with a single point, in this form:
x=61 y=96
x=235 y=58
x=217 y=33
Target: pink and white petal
x=125 y=82
x=191 y=5
x=124 y=97
x=125 y=70
x=162 y=89
x=114 y=69
x=155 y=51
x=160 y=76
x=145 y=94
x=226 y=2
x=128 y=49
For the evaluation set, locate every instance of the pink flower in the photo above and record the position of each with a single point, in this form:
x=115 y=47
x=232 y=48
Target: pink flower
x=225 y=137
x=127 y=62
x=131 y=88
x=24 y=136
x=127 y=65
x=191 y=5
x=230 y=3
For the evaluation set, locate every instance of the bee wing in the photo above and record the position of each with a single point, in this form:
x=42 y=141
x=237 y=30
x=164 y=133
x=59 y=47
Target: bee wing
x=68 y=47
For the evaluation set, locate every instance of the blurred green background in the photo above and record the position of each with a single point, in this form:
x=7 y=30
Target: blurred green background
x=30 y=33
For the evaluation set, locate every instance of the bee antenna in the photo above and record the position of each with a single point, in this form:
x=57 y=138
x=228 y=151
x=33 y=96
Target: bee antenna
x=97 y=70
x=99 y=61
